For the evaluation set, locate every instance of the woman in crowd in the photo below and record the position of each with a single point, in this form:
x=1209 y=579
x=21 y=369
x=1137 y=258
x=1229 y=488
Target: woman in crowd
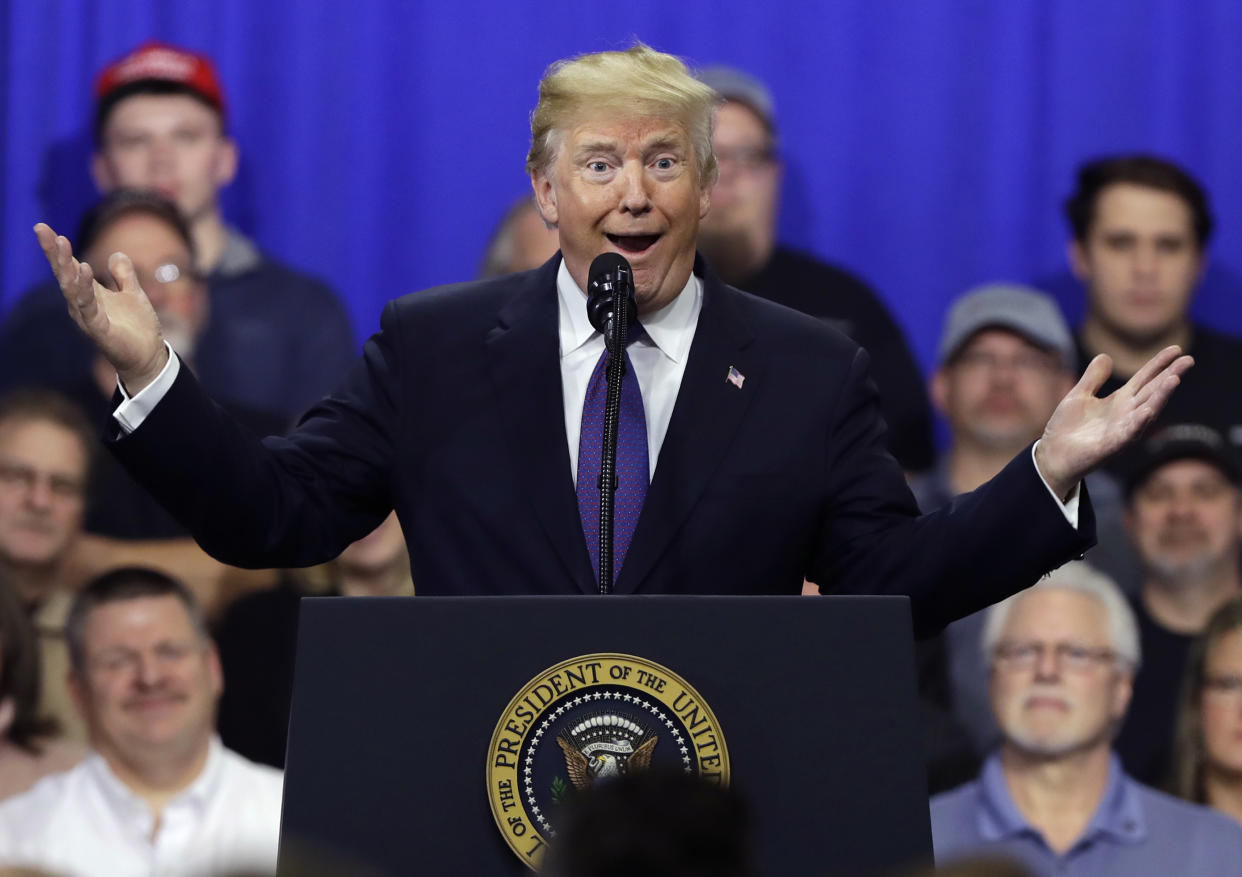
x=1208 y=750
x=28 y=750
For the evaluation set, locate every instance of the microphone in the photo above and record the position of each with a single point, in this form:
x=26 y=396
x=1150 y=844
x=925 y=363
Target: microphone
x=612 y=310
x=610 y=280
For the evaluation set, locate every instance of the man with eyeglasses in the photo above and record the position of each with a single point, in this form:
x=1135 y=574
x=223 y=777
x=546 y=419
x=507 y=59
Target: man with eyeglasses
x=123 y=523
x=1184 y=515
x=1053 y=796
x=738 y=238
x=1006 y=358
x=47 y=461
x=158 y=794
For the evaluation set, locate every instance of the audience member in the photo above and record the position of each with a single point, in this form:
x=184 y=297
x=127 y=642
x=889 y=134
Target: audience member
x=522 y=241
x=1006 y=359
x=158 y=794
x=258 y=637
x=656 y=823
x=1054 y=796
x=277 y=339
x=124 y=524
x=1141 y=227
x=46 y=451
x=738 y=237
x=29 y=748
x=150 y=230
x=1184 y=514
x=1208 y=748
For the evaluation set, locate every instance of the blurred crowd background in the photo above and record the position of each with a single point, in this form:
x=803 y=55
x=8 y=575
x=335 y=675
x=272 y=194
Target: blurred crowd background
x=983 y=194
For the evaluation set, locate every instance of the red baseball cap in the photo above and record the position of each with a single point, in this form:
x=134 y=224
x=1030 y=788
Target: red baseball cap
x=162 y=62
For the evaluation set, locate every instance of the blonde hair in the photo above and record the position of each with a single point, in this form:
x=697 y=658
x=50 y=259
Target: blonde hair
x=638 y=81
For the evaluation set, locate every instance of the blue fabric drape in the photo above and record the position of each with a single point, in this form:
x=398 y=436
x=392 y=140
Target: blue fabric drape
x=928 y=144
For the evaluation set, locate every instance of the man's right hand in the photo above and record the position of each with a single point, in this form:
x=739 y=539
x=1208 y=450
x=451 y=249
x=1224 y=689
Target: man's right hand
x=123 y=324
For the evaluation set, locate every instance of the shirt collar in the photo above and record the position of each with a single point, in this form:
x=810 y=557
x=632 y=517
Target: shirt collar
x=1119 y=814
x=196 y=794
x=668 y=328
x=239 y=256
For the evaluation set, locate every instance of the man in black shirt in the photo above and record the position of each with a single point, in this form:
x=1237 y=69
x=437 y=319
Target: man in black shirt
x=1184 y=516
x=1141 y=227
x=738 y=237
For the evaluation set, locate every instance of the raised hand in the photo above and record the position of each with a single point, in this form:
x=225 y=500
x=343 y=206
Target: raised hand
x=122 y=323
x=1084 y=430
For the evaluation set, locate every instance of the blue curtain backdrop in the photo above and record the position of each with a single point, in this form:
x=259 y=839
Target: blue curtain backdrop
x=928 y=144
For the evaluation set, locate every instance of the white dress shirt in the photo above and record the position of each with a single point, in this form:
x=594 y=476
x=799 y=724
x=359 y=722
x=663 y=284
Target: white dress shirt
x=86 y=823
x=659 y=361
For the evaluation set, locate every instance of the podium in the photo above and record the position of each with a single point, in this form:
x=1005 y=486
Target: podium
x=398 y=750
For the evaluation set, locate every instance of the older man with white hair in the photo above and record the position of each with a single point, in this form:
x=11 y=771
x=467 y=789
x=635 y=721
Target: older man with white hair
x=1054 y=796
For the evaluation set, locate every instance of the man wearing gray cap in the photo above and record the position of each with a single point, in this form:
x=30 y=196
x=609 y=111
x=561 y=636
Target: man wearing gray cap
x=1005 y=360
x=738 y=237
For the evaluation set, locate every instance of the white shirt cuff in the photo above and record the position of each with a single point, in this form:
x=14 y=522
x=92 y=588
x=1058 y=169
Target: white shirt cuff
x=1069 y=507
x=132 y=411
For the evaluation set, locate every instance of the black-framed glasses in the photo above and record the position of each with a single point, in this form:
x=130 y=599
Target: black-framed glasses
x=1071 y=656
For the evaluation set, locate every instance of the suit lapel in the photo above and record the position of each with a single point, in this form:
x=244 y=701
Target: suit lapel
x=706 y=416
x=524 y=360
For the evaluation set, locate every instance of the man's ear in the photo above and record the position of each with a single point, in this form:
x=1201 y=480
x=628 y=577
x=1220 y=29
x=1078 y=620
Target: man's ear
x=1079 y=264
x=101 y=173
x=938 y=389
x=77 y=691
x=215 y=670
x=545 y=197
x=227 y=159
x=1121 y=697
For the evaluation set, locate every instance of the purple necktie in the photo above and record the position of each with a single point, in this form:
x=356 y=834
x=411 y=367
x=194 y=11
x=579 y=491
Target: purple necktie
x=632 y=468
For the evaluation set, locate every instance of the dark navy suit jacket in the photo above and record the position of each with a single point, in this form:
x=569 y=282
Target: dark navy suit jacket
x=454 y=417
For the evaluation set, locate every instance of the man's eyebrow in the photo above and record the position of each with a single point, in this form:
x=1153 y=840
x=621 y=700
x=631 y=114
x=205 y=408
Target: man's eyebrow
x=591 y=146
x=669 y=142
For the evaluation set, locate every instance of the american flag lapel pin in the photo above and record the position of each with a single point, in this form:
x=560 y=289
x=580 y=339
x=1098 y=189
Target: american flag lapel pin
x=735 y=377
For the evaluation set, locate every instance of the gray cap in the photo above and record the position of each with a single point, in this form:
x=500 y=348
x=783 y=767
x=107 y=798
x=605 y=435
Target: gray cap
x=732 y=84
x=1020 y=309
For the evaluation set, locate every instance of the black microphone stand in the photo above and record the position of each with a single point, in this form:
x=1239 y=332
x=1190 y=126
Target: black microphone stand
x=616 y=332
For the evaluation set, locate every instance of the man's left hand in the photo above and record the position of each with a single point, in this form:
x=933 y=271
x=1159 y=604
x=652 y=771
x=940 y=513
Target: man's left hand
x=1084 y=430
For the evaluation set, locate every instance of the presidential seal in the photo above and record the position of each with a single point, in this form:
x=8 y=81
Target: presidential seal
x=587 y=720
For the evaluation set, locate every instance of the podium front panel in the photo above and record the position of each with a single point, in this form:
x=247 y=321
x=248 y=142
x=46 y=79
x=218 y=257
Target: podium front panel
x=396 y=700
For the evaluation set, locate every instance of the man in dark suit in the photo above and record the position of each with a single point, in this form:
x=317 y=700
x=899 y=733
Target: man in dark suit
x=759 y=427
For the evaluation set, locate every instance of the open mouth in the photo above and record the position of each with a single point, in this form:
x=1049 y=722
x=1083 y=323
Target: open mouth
x=633 y=243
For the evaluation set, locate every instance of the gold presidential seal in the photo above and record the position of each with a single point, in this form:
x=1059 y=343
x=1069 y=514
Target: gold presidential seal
x=583 y=721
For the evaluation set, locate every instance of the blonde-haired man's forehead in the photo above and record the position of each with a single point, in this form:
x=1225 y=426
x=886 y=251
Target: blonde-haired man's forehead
x=637 y=81
x=662 y=127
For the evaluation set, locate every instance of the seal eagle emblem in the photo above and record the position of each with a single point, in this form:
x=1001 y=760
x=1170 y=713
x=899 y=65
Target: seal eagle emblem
x=585 y=721
x=604 y=746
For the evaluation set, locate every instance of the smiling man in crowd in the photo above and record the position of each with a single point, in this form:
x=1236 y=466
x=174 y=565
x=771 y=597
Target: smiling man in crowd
x=158 y=794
